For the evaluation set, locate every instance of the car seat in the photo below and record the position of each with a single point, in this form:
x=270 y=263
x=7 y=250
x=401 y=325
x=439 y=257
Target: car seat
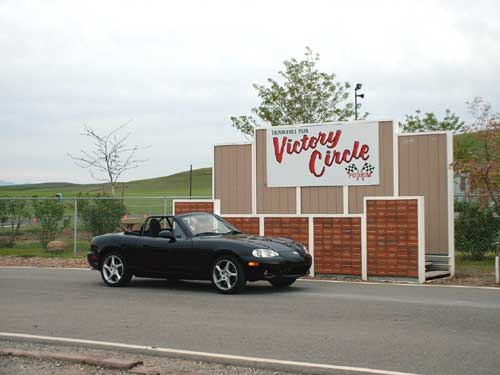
x=154 y=228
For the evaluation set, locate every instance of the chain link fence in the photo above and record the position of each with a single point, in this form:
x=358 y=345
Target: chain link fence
x=34 y=226
x=30 y=226
x=477 y=225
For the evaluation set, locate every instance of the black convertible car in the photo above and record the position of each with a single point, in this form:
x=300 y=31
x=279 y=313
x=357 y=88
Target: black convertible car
x=197 y=246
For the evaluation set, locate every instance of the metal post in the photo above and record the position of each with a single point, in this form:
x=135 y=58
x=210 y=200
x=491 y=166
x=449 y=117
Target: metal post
x=190 y=180
x=497 y=271
x=75 y=229
x=355 y=105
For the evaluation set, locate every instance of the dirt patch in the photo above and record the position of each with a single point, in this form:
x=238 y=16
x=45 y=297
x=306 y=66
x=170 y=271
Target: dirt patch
x=43 y=262
x=484 y=279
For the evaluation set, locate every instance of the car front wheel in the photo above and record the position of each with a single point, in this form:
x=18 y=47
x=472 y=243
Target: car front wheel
x=228 y=276
x=282 y=282
x=114 y=270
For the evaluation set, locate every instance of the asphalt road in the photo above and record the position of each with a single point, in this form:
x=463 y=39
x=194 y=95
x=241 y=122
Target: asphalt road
x=425 y=330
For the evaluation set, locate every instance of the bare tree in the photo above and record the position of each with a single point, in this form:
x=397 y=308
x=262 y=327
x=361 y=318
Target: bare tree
x=110 y=156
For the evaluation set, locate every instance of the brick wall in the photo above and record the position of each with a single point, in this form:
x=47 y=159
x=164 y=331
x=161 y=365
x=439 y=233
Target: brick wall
x=337 y=245
x=248 y=225
x=296 y=228
x=194 y=206
x=392 y=237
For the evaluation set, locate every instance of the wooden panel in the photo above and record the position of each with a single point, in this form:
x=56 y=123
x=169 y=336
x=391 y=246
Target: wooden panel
x=423 y=172
x=386 y=163
x=233 y=178
x=322 y=200
x=392 y=237
x=277 y=200
x=337 y=245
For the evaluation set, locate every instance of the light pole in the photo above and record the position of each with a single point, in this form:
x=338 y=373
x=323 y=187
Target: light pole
x=356 y=96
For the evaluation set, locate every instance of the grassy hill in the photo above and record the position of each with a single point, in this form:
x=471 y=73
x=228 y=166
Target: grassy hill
x=173 y=185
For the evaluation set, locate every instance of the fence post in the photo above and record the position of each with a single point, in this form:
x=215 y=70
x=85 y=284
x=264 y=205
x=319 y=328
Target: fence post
x=75 y=228
x=164 y=206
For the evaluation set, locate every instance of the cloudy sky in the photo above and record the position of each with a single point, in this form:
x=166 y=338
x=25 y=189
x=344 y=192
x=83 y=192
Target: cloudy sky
x=180 y=69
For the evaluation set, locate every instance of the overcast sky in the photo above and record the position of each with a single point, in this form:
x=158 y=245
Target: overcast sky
x=180 y=69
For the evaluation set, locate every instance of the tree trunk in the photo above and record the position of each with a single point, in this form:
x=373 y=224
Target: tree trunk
x=14 y=231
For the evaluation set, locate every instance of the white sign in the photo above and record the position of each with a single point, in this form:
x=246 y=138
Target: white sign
x=323 y=155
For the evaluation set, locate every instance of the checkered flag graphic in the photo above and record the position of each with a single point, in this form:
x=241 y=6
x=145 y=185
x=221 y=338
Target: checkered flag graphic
x=351 y=168
x=367 y=167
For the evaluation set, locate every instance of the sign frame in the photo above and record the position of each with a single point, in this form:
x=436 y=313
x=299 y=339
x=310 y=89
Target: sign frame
x=347 y=156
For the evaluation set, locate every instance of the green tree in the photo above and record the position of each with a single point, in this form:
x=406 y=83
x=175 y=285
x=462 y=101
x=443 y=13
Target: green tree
x=12 y=213
x=306 y=95
x=477 y=155
x=49 y=213
x=429 y=122
x=101 y=215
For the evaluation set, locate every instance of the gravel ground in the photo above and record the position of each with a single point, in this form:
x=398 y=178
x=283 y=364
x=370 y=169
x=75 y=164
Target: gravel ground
x=13 y=365
x=27 y=366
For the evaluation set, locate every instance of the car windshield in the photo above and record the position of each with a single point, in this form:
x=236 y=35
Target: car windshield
x=207 y=224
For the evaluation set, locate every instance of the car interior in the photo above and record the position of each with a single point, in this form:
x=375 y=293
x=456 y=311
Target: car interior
x=153 y=226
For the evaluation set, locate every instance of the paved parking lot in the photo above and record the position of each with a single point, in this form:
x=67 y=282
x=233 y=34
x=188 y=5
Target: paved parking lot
x=424 y=330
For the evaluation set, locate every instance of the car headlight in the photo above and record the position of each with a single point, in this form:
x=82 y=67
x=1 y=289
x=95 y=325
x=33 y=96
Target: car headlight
x=265 y=253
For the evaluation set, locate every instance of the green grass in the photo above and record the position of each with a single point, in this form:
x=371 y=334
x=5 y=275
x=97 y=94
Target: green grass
x=173 y=185
x=466 y=267
x=33 y=249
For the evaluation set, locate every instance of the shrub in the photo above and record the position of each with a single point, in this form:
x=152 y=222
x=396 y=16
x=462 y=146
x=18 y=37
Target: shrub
x=12 y=213
x=476 y=230
x=101 y=216
x=49 y=214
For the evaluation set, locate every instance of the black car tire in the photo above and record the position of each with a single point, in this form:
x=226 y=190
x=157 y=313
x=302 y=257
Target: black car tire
x=114 y=270
x=233 y=272
x=282 y=282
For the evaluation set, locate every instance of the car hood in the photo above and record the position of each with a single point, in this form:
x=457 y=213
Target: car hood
x=279 y=244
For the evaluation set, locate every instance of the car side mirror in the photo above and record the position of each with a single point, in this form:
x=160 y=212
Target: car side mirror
x=167 y=235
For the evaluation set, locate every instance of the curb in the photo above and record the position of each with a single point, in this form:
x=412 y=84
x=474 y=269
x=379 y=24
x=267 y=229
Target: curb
x=111 y=363
x=273 y=364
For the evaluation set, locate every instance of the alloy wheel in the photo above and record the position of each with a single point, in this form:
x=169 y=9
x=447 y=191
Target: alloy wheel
x=225 y=274
x=113 y=269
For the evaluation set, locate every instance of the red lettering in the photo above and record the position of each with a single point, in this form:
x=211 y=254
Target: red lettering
x=297 y=148
x=279 y=150
x=305 y=145
x=363 y=153
x=345 y=156
x=312 y=164
x=333 y=138
x=331 y=156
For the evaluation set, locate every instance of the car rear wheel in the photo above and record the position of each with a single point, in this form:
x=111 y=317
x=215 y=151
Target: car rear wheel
x=228 y=276
x=114 y=270
x=282 y=282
